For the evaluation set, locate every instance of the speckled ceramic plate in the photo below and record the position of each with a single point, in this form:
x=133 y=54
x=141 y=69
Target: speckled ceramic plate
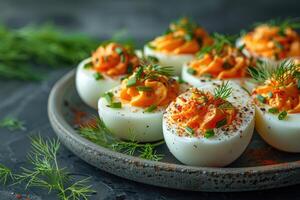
x=260 y=167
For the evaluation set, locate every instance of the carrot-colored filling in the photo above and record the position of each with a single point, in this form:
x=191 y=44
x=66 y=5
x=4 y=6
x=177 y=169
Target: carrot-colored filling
x=202 y=111
x=113 y=59
x=183 y=37
x=158 y=90
x=229 y=63
x=283 y=97
x=272 y=42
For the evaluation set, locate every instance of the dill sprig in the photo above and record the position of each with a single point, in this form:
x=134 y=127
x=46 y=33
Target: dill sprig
x=42 y=46
x=12 y=124
x=46 y=173
x=220 y=41
x=280 y=72
x=223 y=91
x=5 y=174
x=99 y=134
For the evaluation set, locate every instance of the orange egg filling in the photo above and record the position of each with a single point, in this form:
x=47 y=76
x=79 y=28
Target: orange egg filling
x=113 y=59
x=183 y=37
x=272 y=42
x=158 y=90
x=202 y=111
x=229 y=63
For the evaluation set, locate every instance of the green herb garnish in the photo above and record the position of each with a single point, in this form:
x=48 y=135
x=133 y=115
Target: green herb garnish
x=191 y=71
x=87 y=66
x=189 y=130
x=108 y=97
x=150 y=108
x=209 y=133
x=98 y=76
x=100 y=135
x=261 y=98
x=131 y=81
x=12 y=124
x=282 y=115
x=5 y=174
x=144 y=88
x=115 y=105
x=273 y=110
x=221 y=123
x=223 y=91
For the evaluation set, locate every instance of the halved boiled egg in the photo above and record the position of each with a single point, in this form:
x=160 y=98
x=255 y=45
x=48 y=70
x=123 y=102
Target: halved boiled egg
x=271 y=42
x=103 y=71
x=209 y=126
x=220 y=61
x=181 y=42
x=277 y=102
x=133 y=111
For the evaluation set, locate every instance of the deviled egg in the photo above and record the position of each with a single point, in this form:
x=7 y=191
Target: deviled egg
x=179 y=44
x=133 y=110
x=103 y=71
x=277 y=100
x=209 y=126
x=273 y=41
x=219 y=61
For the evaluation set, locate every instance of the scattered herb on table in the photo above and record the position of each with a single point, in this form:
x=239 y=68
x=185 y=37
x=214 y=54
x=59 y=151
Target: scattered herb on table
x=12 y=124
x=99 y=134
x=46 y=173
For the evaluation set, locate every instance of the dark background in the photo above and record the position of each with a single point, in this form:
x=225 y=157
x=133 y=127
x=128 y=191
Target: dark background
x=100 y=19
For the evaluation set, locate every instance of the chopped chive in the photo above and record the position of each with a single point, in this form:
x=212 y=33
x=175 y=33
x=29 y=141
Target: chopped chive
x=270 y=94
x=208 y=75
x=242 y=47
x=144 y=88
x=115 y=105
x=282 y=115
x=108 y=97
x=209 y=133
x=131 y=82
x=191 y=71
x=189 y=130
x=129 y=68
x=139 y=72
x=119 y=50
x=87 y=66
x=273 y=110
x=150 y=46
x=98 y=76
x=151 y=108
x=261 y=98
x=188 y=37
x=180 y=80
x=221 y=123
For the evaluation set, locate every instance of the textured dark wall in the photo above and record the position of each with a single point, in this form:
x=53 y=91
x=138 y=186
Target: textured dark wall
x=142 y=18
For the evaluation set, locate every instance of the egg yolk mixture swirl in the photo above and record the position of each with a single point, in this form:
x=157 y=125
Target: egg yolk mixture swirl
x=281 y=93
x=202 y=111
x=113 y=60
x=229 y=63
x=148 y=87
x=272 y=42
x=182 y=37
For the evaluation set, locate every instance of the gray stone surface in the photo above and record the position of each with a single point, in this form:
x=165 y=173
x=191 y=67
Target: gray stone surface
x=143 y=19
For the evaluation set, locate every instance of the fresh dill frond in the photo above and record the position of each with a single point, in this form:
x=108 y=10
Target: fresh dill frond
x=46 y=173
x=223 y=91
x=99 y=134
x=279 y=72
x=5 y=174
x=12 y=124
x=220 y=41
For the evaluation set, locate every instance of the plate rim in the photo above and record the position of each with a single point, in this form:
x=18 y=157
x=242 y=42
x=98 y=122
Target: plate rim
x=57 y=120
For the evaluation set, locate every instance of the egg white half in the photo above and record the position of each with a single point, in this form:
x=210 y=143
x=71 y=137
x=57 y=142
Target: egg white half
x=132 y=123
x=175 y=60
x=200 y=81
x=281 y=134
x=225 y=146
x=90 y=89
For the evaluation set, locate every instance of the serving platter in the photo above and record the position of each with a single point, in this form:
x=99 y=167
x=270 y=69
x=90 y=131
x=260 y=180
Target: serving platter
x=260 y=167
